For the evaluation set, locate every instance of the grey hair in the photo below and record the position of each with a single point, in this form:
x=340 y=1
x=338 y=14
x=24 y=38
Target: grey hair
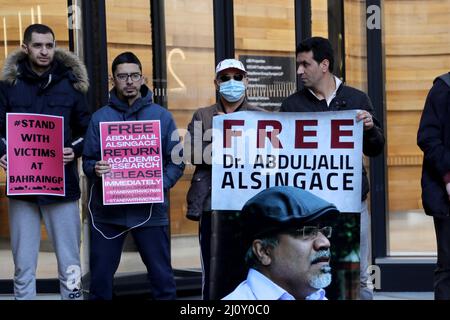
x=251 y=259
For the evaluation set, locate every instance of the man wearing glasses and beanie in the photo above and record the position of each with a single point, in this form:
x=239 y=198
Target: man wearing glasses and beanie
x=231 y=83
x=130 y=100
x=288 y=248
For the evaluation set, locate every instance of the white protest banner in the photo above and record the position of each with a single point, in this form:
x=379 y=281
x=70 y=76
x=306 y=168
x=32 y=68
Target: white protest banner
x=319 y=151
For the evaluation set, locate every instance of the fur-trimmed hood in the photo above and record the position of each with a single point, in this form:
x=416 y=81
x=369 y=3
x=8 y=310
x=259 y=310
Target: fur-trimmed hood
x=10 y=70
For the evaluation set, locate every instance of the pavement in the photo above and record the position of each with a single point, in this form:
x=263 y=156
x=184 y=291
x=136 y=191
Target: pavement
x=377 y=296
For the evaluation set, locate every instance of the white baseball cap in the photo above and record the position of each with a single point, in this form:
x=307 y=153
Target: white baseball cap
x=229 y=64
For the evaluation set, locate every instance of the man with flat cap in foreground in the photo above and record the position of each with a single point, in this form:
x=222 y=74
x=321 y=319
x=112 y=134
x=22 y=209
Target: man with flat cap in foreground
x=289 y=251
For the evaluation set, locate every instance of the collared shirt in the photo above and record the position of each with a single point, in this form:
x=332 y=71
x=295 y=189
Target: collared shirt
x=333 y=95
x=258 y=287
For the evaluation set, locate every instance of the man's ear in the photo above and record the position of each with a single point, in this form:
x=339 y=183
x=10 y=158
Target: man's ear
x=111 y=80
x=245 y=80
x=216 y=84
x=325 y=65
x=262 y=253
x=24 y=48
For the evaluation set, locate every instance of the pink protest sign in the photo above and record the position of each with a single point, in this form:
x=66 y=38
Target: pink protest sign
x=35 y=154
x=133 y=149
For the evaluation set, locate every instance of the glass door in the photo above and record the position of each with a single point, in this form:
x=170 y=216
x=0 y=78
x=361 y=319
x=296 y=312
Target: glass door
x=417 y=47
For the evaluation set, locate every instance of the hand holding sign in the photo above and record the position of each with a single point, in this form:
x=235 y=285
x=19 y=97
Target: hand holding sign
x=69 y=155
x=367 y=119
x=102 y=167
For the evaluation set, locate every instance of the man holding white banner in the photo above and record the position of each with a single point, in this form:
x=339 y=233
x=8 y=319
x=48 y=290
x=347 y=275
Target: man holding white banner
x=325 y=92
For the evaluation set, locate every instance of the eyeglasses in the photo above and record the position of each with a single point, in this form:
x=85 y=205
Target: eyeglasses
x=311 y=232
x=225 y=77
x=124 y=76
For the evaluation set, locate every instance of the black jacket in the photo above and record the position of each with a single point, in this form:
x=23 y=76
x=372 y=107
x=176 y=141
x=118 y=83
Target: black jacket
x=347 y=98
x=61 y=92
x=433 y=138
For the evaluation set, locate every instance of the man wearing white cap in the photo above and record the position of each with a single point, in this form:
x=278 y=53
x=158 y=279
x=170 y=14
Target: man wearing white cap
x=231 y=83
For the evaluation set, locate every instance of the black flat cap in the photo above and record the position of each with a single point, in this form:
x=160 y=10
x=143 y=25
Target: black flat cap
x=280 y=208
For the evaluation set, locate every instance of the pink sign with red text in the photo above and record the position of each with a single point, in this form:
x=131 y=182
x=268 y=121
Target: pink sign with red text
x=35 y=154
x=133 y=150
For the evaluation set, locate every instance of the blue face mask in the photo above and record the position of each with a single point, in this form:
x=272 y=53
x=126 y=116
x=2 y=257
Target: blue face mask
x=232 y=90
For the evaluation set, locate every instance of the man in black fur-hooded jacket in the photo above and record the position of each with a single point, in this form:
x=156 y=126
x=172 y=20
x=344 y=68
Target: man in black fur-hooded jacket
x=41 y=79
x=433 y=138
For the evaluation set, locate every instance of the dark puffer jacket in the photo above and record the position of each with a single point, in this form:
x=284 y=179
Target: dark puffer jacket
x=61 y=92
x=142 y=109
x=433 y=138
